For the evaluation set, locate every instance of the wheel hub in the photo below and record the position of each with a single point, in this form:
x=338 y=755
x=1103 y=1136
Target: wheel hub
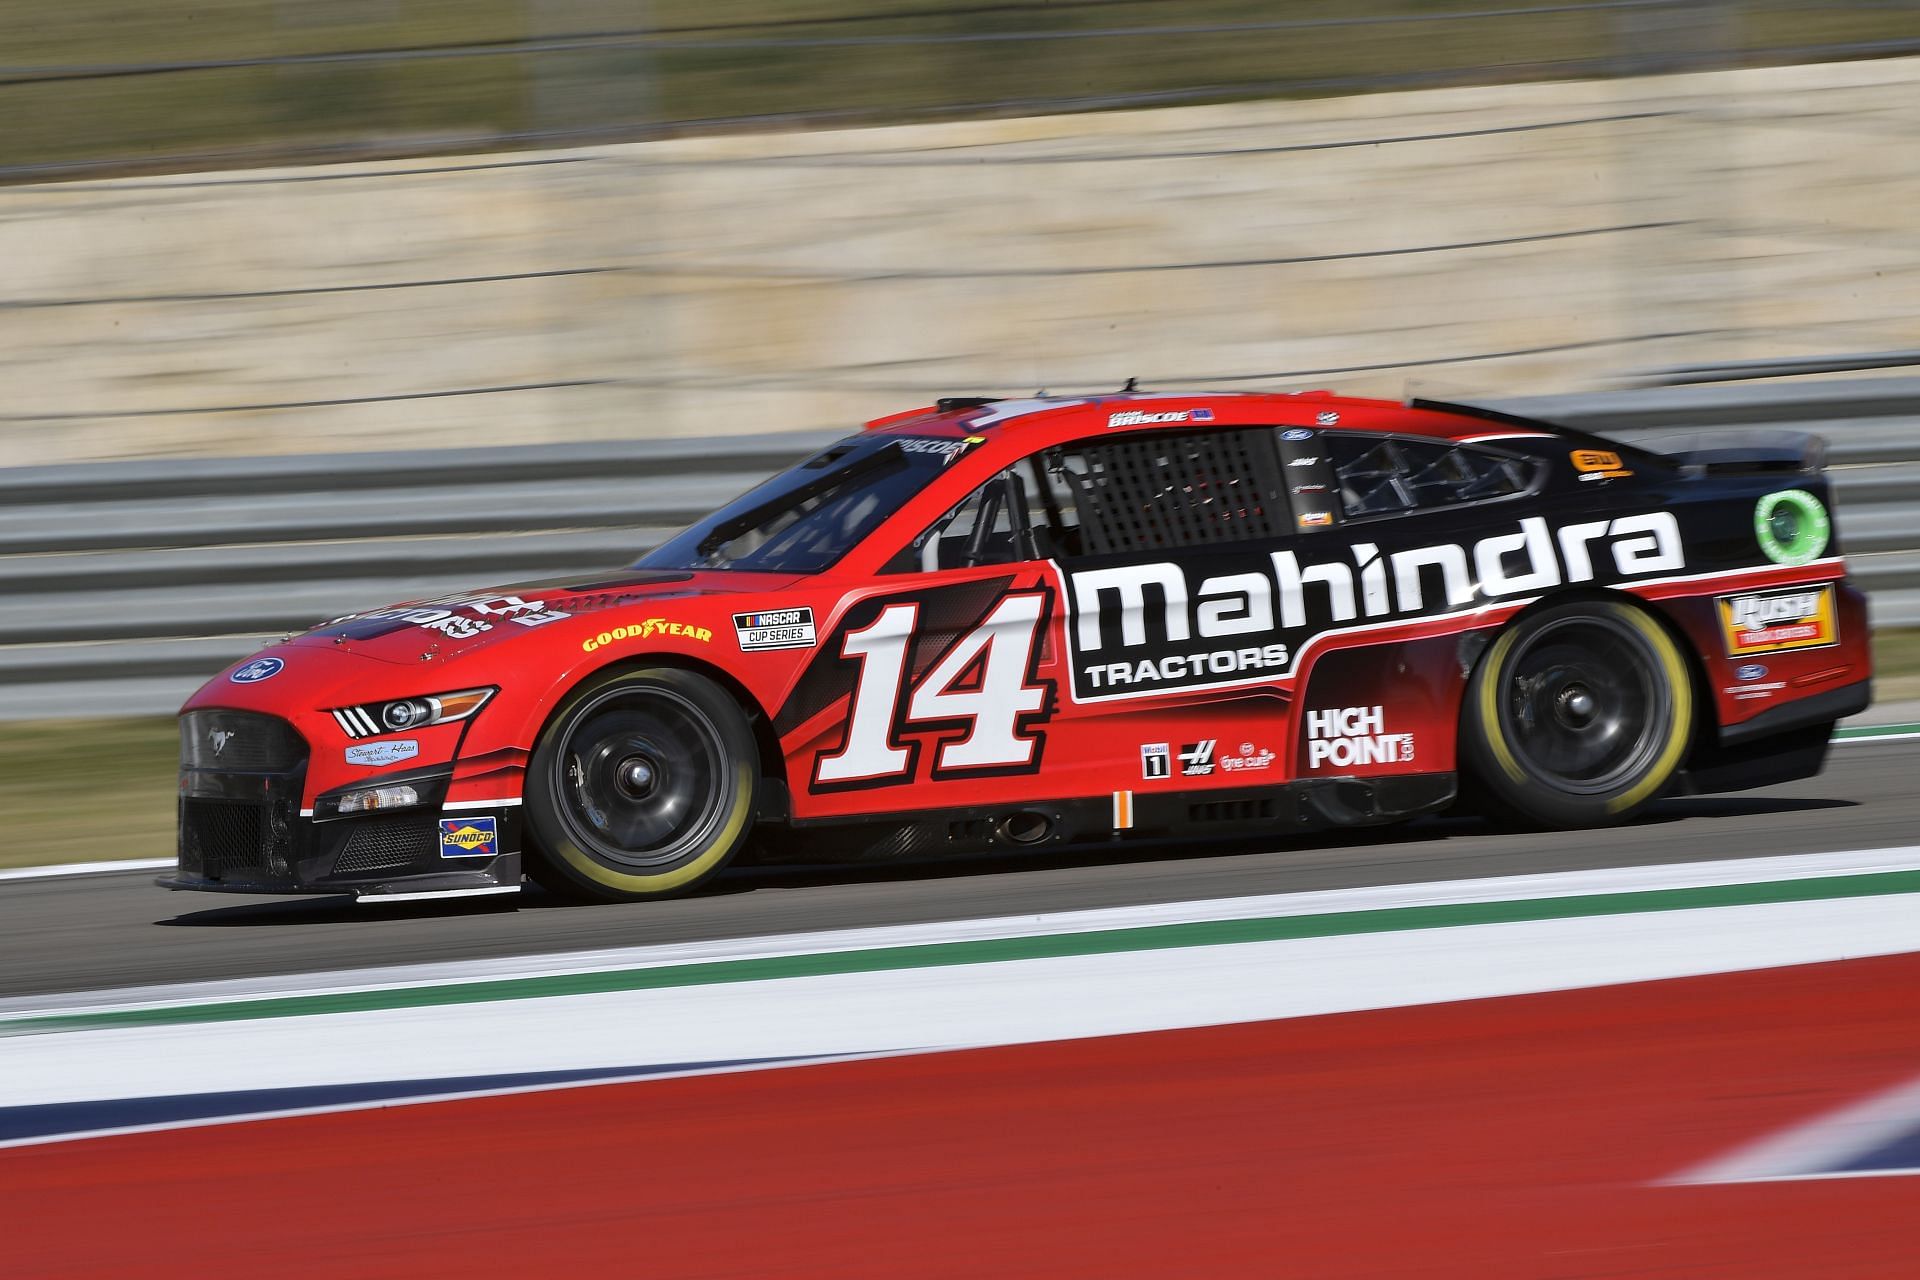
x=1575 y=705
x=637 y=776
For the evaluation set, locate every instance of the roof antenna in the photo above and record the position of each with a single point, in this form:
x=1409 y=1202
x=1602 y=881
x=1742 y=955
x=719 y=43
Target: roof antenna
x=1131 y=384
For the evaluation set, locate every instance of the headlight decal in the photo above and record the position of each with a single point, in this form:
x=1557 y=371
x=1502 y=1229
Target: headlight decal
x=404 y=715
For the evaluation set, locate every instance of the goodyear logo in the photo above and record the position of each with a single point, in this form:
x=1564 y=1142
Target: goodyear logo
x=646 y=630
x=469 y=837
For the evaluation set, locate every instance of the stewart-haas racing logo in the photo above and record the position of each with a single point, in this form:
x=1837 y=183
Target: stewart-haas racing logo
x=1161 y=626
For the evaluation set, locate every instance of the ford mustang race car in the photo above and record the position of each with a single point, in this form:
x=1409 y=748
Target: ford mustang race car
x=995 y=624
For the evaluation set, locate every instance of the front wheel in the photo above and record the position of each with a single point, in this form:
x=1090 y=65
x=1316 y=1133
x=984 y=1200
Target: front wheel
x=643 y=784
x=1577 y=715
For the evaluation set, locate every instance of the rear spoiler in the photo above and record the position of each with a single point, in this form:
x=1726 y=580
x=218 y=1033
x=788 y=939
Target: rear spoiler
x=1743 y=451
x=1633 y=454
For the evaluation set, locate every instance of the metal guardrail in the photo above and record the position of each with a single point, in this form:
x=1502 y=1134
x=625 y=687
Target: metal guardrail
x=126 y=584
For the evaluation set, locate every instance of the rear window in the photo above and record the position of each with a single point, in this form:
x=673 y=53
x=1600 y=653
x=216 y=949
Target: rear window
x=1380 y=475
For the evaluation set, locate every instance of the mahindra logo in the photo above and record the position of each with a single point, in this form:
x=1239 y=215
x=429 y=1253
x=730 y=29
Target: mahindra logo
x=220 y=738
x=1145 y=627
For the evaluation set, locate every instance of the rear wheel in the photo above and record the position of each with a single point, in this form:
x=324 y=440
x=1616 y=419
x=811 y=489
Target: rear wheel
x=642 y=785
x=1577 y=715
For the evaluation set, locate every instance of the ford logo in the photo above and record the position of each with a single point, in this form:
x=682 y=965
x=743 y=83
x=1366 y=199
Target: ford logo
x=1296 y=433
x=257 y=670
x=1750 y=671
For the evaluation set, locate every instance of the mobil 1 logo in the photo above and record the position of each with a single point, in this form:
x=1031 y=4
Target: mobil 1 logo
x=1156 y=760
x=775 y=629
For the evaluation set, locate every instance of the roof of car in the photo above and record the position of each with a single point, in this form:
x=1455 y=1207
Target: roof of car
x=1159 y=410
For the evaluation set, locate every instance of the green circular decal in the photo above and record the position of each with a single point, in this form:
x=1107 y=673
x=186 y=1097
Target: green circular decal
x=1792 y=526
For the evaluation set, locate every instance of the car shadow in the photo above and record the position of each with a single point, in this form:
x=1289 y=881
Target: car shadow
x=282 y=912
x=755 y=877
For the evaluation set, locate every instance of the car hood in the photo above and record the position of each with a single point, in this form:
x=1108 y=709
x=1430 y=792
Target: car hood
x=447 y=627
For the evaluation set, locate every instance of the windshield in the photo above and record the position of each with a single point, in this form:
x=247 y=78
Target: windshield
x=804 y=520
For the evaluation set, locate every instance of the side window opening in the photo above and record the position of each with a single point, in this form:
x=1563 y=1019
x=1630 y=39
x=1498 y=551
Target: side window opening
x=1384 y=474
x=1150 y=492
x=1146 y=492
x=991 y=525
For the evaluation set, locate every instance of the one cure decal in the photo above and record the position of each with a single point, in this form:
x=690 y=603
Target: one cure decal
x=1218 y=618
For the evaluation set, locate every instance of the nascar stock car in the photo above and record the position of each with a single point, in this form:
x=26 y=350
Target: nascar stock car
x=1021 y=623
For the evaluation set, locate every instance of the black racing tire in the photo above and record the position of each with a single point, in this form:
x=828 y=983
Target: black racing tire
x=1576 y=715
x=643 y=785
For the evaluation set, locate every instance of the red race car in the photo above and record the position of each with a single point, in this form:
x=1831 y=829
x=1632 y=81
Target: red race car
x=1020 y=623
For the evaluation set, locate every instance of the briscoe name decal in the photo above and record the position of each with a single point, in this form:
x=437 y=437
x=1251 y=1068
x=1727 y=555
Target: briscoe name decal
x=1141 y=629
x=1138 y=418
x=774 y=629
x=1348 y=736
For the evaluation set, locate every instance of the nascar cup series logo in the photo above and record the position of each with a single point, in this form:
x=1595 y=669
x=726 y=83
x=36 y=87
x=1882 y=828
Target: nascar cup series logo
x=1349 y=736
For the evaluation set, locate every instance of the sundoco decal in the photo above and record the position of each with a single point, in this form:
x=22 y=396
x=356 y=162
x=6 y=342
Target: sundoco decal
x=469 y=837
x=1349 y=736
x=1139 y=629
x=1792 y=527
x=644 y=630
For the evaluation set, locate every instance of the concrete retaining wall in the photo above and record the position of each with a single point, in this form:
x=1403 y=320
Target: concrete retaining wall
x=1490 y=240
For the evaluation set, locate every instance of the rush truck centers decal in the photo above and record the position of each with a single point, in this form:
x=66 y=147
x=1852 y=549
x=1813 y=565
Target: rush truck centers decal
x=1774 y=621
x=1156 y=627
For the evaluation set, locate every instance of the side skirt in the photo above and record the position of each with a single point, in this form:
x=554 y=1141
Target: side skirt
x=1302 y=806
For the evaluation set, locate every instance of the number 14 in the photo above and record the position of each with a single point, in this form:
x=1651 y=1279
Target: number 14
x=991 y=708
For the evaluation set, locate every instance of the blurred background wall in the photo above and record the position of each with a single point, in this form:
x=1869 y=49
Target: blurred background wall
x=586 y=219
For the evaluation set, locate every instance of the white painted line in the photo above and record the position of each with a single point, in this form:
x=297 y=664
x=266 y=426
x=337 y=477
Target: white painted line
x=422 y=1099
x=1810 y=1150
x=85 y=868
x=1856 y=739
x=373 y=899
x=1016 y=1001
x=1562 y=884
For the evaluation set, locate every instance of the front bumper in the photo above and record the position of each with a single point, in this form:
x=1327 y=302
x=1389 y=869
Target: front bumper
x=242 y=830
x=232 y=846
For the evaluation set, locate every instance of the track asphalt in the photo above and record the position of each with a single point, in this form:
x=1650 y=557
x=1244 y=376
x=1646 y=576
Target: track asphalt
x=111 y=930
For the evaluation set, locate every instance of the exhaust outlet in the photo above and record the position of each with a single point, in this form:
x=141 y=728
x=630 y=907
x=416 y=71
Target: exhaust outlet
x=1025 y=826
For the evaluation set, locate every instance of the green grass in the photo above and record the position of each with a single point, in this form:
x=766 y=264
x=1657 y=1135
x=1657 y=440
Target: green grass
x=410 y=105
x=96 y=790
x=87 y=790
